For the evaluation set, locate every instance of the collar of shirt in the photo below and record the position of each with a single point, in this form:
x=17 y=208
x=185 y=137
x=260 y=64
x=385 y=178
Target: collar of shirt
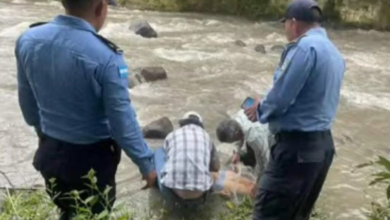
x=317 y=31
x=74 y=22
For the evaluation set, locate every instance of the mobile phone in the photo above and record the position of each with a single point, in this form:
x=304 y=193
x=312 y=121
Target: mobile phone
x=247 y=103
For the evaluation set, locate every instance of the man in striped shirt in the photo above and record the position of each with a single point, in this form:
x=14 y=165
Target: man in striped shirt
x=185 y=162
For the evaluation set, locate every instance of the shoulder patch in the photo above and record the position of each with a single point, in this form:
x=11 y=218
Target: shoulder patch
x=110 y=44
x=284 y=65
x=123 y=71
x=37 y=24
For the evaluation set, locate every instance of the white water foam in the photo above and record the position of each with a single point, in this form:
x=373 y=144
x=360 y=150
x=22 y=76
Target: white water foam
x=118 y=30
x=175 y=25
x=367 y=100
x=184 y=55
x=276 y=37
x=15 y=31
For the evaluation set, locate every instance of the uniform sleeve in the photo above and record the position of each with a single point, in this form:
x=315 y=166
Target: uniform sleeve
x=287 y=87
x=27 y=100
x=215 y=162
x=122 y=118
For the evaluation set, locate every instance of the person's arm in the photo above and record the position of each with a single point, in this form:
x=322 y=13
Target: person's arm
x=27 y=101
x=287 y=87
x=215 y=163
x=122 y=118
x=261 y=146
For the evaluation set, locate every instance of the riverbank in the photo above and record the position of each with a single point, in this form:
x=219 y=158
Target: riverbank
x=36 y=205
x=363 y=14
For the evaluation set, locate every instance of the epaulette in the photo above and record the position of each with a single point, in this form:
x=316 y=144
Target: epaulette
x=110 y=44
x=37 y=24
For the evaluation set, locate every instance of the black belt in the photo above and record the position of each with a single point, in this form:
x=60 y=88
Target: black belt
x=301 y=135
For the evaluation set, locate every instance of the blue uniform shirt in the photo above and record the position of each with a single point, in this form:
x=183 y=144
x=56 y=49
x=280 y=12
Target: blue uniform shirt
x=74 y=87
x=307 y=85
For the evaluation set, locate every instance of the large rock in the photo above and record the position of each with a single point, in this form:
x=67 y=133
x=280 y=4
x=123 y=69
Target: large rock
x=144 y=29
x=260 y=48
x=240 y=43
x=158 y=129
x=151 y=74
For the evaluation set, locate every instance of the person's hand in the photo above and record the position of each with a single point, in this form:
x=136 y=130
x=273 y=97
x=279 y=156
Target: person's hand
x=254 y=191
x=150 y=179
x=235 y=158
x=251 y=112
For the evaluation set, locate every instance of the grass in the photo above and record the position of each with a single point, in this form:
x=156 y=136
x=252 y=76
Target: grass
x=36 y=205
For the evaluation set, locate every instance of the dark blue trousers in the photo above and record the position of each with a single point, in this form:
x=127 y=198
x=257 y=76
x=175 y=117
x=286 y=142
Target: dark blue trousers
x=68 y=163
x=293 y=179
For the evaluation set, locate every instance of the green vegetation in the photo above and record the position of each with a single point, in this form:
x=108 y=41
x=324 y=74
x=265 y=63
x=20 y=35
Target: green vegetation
x=345 y=13
x=249 y=8
x=380 y=210
x=36 y=205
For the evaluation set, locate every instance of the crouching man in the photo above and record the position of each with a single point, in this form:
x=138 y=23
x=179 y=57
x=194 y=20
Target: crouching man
x=256 y=138
x=185 y=163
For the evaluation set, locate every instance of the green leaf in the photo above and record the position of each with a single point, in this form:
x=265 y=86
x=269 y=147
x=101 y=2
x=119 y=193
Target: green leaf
x=230 y=205
x=388 y=192
x=382 y=174
x=364 y=165
x=384 y=162
x=377 y=180
x=52 y=180
x=103 y=214
x=107 y=190
x=91 y=200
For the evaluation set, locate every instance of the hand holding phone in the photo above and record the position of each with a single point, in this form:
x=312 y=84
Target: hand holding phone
x=249 y=101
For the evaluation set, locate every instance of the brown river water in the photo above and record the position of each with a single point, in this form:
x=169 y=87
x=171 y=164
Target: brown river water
x=208 y=73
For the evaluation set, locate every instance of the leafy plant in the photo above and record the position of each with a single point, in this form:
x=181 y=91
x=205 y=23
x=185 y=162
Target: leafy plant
x=380 y=210
x=36 y=205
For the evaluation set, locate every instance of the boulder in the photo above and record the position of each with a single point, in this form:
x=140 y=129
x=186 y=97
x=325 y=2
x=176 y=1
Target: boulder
x=240 y=43
x=151 y=74
x=277 y=48
x=144 y=29
x=260 y=48
x=158 y=129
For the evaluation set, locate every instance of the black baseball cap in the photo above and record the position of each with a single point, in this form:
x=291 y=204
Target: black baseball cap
x=302 y=10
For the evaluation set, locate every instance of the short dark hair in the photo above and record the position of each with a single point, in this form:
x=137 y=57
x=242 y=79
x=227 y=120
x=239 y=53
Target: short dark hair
x=227 y=131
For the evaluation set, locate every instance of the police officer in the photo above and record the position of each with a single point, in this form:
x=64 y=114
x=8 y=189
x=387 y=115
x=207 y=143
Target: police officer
x=72 y=87
x=300 y=109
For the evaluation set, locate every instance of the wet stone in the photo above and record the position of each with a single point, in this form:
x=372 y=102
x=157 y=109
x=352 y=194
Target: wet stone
x=240 y=43
x=260 y=49
x=144 y=29
x=151 y=74
x=158 y=129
